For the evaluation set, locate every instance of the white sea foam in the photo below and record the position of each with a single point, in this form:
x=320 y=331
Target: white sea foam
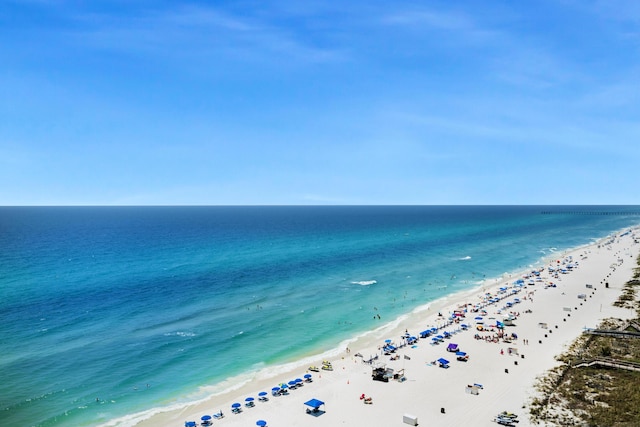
x=180 y=334
x=464 y=258
x=365 y=282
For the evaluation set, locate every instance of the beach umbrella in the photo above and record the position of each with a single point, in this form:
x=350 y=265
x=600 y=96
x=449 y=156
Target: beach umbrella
x=307 y=375
x=264 y=393
x=236 y=405
x=205 y=417
x=387 y=341
x=249 y=399
x=298 y=380
x=261 y=423
x=190 y=424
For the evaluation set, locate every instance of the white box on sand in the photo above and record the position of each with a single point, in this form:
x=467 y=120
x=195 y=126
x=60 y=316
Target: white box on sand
x=412 y=420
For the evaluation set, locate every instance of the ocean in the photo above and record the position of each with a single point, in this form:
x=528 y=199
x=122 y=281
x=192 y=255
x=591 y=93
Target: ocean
x=109 y=314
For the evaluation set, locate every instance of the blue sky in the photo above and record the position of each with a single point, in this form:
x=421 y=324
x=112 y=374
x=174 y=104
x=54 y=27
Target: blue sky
x=304 y=102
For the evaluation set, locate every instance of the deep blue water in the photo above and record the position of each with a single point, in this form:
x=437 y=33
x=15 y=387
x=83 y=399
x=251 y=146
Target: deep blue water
x=140 y=307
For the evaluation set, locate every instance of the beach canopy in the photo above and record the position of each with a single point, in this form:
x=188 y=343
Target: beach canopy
x=261 y=423
x=443 y=361
x=452 y=347
x=461 y=353
x=314 y=403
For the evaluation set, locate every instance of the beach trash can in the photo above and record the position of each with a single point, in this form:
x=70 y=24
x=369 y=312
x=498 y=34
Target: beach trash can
x=412 y=420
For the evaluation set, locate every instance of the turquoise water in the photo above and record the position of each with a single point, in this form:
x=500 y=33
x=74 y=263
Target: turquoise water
x=109 y=311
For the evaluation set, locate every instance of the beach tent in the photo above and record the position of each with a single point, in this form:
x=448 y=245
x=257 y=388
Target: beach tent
x=444 y=363
x=314 y=403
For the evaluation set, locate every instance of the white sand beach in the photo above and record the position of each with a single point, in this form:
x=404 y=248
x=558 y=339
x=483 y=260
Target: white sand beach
x=438 y=396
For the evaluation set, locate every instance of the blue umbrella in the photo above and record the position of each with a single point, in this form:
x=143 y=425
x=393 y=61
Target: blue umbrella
x=205 y=417
x=261 y=423
x=292 y=382
x=275 y=389
x=263 y=393
x=249 y=399
x=190 y=424
x=298 y=380
x=307 y=375
x=236 y=405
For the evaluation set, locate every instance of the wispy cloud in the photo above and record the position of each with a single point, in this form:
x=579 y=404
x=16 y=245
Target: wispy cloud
x=197 y=31
x=431 y=19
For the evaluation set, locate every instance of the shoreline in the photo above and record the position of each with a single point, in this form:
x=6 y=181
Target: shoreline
x=349 y=370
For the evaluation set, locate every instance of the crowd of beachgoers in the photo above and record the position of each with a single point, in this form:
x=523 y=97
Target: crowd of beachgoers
x=437 y=366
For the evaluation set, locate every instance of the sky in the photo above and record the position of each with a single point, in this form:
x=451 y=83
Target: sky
x=274 y=102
